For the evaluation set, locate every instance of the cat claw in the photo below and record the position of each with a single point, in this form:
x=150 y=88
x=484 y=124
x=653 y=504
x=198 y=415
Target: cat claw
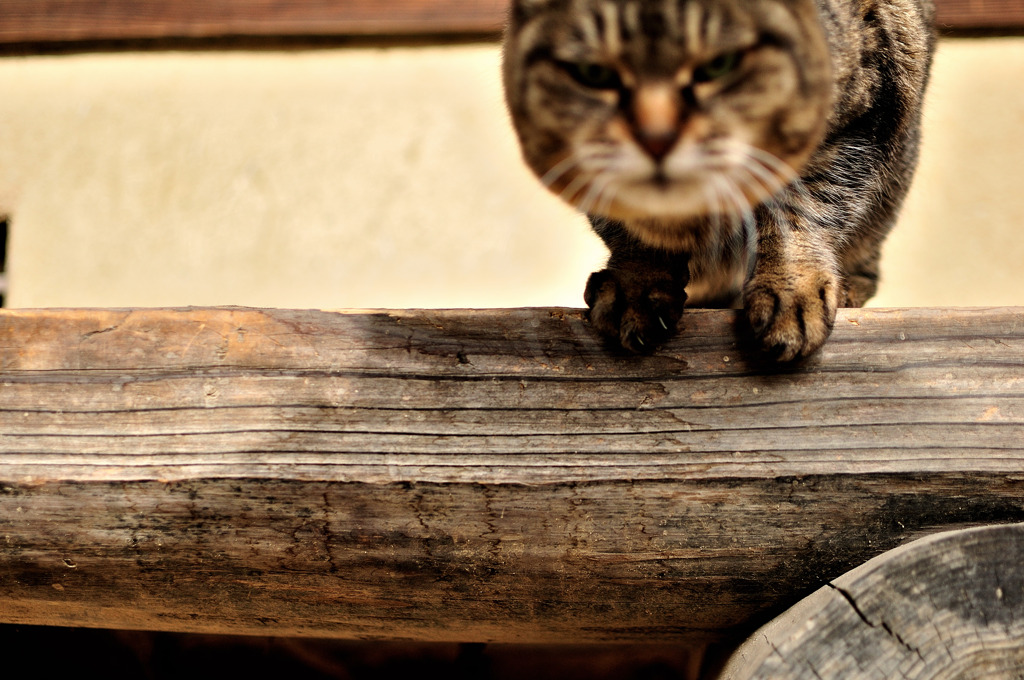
x=635 y=317
x=792 y=322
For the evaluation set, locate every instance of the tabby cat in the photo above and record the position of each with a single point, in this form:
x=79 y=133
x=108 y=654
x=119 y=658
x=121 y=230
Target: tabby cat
x=728 y=152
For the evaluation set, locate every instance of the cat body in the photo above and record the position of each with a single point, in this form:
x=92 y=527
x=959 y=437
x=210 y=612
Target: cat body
x=729 y=152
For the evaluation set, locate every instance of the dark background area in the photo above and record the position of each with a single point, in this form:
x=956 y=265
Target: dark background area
x=117 y=655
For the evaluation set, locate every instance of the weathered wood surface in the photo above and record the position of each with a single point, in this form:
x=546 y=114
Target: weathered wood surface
x=947 y=606
x=43 y=21
x=480 y=475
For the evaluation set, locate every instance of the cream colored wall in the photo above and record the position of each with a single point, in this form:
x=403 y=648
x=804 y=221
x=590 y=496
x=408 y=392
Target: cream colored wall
x=961 y=237
x=389 y=178
x=349 y=178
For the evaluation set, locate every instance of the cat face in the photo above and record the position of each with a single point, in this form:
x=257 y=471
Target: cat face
x=666 y=109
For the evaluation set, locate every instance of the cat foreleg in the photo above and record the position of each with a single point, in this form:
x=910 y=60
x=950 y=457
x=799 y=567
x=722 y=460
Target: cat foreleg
x=792 y=295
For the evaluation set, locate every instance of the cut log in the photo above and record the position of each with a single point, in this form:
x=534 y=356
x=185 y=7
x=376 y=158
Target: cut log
x=481 y=475
x=946 y=606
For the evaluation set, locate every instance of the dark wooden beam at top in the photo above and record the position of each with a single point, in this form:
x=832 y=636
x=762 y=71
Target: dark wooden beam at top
x=29 y=21
x=69 y=21
x=971 y=14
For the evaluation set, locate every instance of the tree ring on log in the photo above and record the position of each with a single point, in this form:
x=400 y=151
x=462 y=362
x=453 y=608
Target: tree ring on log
x=947 y=606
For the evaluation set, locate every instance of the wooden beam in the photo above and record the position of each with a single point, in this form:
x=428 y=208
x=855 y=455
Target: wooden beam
x=56 y=21
x=27 y=21
x=973 y=14
x=480 y=475
x=947 y=606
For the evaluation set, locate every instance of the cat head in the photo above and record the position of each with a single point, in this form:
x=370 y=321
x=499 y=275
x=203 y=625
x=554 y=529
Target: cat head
x=666 y=109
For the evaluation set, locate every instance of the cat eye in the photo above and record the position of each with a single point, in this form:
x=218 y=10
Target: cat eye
x=595 y=76
x=717 y=68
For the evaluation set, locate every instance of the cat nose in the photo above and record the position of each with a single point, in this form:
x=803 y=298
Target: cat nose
x=657 y=143
x=655 y=111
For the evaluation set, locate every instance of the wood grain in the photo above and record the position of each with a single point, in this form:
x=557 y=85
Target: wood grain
x=44 y=21
x=948 y=606
x=480 y=475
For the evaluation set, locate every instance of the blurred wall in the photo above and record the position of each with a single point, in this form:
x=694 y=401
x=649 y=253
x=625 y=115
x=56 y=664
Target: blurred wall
x=356 y=178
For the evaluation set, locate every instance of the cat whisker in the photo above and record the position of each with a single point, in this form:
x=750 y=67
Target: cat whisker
x=713 y=216
x=559 y=170
x=598 y=185
x=772 y=183
x=724 y=212
x=738 y=207
x=715 y=207
x=607 y=197
x=735 y=196
x=776 y=165
x=770 y=172
x=748 y=233
x=748 y=228
x=574 y=188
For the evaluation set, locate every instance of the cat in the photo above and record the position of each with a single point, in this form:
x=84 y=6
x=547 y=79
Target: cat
x=728 y=152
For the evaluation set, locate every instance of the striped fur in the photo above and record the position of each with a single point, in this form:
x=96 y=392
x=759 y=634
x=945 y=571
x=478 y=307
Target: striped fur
x=727 y=151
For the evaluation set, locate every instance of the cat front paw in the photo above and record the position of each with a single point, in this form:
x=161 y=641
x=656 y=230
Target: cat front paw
x=792 y=315
x=637 y=313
